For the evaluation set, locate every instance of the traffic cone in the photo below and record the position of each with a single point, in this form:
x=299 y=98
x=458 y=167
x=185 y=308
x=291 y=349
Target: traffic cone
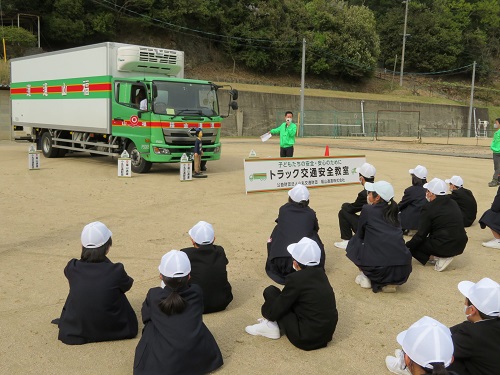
x=327 y=151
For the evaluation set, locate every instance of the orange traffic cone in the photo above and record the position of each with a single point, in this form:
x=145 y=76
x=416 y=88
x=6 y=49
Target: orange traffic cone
x=327 y=151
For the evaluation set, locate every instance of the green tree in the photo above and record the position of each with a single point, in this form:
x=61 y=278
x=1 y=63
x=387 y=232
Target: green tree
x=17 y=40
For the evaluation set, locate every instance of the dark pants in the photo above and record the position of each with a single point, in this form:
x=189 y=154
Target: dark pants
x=348 y=224
x=496 y=165
x=286 y=152
x=424 y=252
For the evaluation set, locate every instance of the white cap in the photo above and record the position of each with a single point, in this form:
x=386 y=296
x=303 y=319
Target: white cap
x=95 y=235
x=436 y=186
x=455 y=180
x=306 y=252
x=382 y=188
x=175 y=263
x=202 y=233
x=299 y=193
x=485 y=295
x=420 y=171
x=427 y=341
x=367 y=170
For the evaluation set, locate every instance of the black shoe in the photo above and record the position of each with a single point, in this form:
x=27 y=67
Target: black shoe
x=55 y=321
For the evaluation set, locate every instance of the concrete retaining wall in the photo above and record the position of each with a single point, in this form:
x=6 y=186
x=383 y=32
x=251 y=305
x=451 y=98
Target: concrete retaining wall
x=4 y=115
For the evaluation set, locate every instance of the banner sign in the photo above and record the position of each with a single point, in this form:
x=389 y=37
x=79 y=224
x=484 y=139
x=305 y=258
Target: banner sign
x=284 y=173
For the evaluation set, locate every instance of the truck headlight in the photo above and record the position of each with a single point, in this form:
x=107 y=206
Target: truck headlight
x=161 y=151
x=217 y=150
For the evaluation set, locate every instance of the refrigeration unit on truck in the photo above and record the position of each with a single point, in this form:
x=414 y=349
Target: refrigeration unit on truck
x=110 y=97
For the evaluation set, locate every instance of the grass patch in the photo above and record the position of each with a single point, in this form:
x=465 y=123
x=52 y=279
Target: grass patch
x=4 y=73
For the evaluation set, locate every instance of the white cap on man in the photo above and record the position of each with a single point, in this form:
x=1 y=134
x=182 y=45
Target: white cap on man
x=485 y=295
x=306 y=252
x=382 y=188
x=436 y=186
x=202 y=233
x=95 y=235
x=367 y=170
x=427 y=341
x=419 y=171
x=175 y=263
x=455 y=180
x=299 y=193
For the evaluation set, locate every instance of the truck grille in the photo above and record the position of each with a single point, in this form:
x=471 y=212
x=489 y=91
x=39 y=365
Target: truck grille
x=157 y=55
x=182 y=137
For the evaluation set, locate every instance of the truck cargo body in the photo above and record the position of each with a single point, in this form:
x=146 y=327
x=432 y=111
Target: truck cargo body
x=86 y=99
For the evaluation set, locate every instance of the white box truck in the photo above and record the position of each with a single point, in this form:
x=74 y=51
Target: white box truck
x=109 y=97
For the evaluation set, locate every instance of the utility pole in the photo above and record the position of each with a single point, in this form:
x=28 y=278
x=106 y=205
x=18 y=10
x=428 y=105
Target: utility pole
x=471 y=99
x=404 y=43
x=302 y=87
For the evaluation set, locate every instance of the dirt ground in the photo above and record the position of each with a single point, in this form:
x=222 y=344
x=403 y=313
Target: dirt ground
x=43 y=212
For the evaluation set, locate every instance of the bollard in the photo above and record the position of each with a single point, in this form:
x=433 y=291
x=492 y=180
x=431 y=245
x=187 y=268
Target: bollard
x=33 y=158
x=124 y=165
x=186 y=170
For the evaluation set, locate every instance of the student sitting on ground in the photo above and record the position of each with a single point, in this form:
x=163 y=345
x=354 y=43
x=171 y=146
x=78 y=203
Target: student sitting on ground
x=413 y=199
x=427 y=348
x=348 y=214
x=491 y=219
x=208 y=268
x=174 y=339
x=378 y=247
x=477 y=340
x=305 y=310
x=96 y=308
x=464 y=198
x=441 y=235
x=295 y=220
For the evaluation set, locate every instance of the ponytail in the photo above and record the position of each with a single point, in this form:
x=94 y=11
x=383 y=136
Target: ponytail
x=391 y=213
x=437 y=369
x=174 y=303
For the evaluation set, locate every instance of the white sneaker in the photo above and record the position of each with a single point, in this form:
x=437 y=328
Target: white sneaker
x=396 y=366
x=264 y=328
x=442 y=263
x=363 y=281
x=494 y=244
x=342 y=244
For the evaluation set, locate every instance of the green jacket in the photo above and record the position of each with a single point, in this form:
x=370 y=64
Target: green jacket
x=495 y=143
x=287 y=134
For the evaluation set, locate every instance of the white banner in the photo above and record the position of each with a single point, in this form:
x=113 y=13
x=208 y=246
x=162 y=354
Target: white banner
x=284 y=173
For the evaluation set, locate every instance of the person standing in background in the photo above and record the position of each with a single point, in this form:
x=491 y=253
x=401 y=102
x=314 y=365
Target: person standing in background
x=495 y=147
x=286 y=131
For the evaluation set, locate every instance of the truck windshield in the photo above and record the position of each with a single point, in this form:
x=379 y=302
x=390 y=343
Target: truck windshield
x=184 y=98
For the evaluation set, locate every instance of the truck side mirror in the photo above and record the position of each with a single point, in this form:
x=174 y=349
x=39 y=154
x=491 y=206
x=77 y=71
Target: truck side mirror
x=234 y=105
x=234 y=94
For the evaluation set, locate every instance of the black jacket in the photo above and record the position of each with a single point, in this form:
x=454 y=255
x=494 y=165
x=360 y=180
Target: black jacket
x=96 y=308
x=208 y=270
x=410 y=206
x=357 y=205
x=441 y=221
x=178 y=344
x=309 y=296
x=467 y=203
x=477 y=347
x=377 y=242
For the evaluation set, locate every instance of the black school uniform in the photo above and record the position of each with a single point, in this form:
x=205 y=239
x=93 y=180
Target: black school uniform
x=208 y=270
x=305 y=309
x=177 y=344
x=293 y=223
x=477 y=347
x=491 y=217
x=96 y=308
x=467 y=203
x=440 y=231
x=348 y=215
x=378 y=249
x=410 y=206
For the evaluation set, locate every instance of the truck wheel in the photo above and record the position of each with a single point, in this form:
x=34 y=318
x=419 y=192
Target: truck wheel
x=139 y=165
x=47 y=149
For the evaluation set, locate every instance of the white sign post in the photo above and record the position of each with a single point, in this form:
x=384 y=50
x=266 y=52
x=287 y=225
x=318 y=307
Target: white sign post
x=33 y=157
x=124 y=165
x=284 y=173
x=186 y=170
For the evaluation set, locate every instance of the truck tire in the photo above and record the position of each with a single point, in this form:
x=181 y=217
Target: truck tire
x=139 y=165
x=47 y=149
